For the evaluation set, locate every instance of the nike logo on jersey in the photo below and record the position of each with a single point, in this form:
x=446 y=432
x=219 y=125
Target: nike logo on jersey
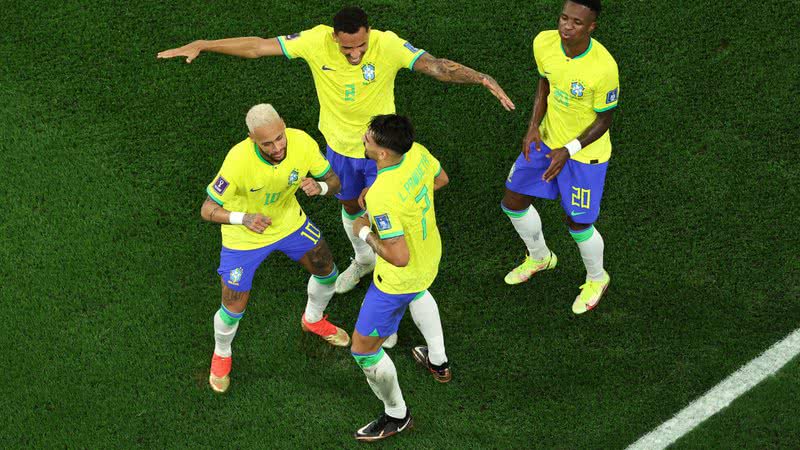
x=256 y=190
x=324 y=67
x=575 y=213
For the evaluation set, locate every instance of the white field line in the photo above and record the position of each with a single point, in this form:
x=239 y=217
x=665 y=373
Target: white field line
x=722 y=394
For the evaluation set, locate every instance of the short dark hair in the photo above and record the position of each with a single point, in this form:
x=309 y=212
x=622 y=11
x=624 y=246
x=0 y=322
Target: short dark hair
x=594 y=5
x=393 y=132
x=349 y=20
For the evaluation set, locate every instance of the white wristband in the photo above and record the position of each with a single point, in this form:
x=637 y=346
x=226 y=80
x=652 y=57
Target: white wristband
x=236 y=218
x=323 y=187
x=364 y=233
x=573 y=146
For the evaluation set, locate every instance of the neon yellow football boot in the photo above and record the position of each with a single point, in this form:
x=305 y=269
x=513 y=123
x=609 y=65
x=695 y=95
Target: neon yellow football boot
x=530 y=266
x=590 y=295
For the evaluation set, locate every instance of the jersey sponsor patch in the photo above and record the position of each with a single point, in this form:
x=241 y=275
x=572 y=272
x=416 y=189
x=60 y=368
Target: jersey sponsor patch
x=383 y=222
x=611 y=97
x=410 y=47
x=220 y=185
x=289 y=37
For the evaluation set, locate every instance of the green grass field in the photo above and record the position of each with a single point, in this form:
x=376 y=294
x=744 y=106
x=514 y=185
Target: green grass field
x=108 y=273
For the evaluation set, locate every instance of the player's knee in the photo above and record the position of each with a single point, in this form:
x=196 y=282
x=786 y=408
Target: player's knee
x=351 y=207
x=235 y=301
x=514 y=201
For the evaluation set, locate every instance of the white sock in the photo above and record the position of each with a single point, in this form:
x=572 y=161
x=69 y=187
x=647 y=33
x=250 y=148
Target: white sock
x=364 y=254
x=425 y=313
x=319 y=294
x=382 y=378
x=591 y=249
x=529 y=227
x=223 y=335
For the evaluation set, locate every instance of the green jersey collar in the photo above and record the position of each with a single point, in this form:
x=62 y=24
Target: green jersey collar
x=586 y=52
x=394 y=166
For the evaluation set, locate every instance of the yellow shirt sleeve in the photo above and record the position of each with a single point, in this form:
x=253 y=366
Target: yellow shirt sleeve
x=385 y=221
x=303 y=44
x=607 y=89
x=225 y=185
x=537 y=55
x=319 y=165
x=399 y=51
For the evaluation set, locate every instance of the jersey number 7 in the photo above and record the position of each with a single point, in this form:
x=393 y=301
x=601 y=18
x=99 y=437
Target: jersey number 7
x=423 y=195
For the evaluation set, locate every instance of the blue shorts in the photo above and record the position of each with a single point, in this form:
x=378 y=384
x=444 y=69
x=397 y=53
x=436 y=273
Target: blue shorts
x=579 y=184
x=354 y=173
x=380 y=312
x=237 y=267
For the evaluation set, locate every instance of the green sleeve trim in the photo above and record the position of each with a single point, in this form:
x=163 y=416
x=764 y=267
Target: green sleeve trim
x=283 y=47
x=214 y=197
x=414 y=61
x=541 y=74
x=391 y=235
x=438 y=172
x=324 y=172
x=606 y=108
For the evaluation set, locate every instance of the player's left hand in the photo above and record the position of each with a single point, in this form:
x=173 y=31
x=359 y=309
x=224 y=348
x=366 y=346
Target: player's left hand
x=360 y=223
x=558 y=157
x=310 y=187
x=490 y=84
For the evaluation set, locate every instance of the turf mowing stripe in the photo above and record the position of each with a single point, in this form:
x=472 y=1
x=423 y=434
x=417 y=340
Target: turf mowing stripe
x=722 y=394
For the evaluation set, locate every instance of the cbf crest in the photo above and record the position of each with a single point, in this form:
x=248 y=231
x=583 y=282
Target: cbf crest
x=576 y=89
x=293 y=177
x=235 y=276
x=368 y=70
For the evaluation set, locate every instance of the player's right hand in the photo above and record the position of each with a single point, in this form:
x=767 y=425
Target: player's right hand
x=532 y=137
x=362 y=198
x=256 y=222
x=190 y=51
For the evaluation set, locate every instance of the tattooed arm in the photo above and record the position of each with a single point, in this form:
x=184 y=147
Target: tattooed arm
x=452 y=72
x=393 y=250
x=213 y=212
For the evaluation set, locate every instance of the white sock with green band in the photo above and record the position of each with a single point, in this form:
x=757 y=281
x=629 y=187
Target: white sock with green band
x=364 y=254
x=225 y=325
x=320 y=291
x=591 y=246
x=382 y=378
x=529 y=227
x=425 y=313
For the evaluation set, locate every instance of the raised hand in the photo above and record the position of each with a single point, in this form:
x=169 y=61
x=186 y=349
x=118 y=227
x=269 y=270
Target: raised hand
x=489 y=83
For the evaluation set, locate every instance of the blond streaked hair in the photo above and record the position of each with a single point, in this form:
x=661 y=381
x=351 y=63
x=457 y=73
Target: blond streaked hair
x=260 y=115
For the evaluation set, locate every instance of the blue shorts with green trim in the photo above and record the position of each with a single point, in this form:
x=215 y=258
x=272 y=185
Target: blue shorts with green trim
x=237 y=267
x=381 y=313
x=354 y=173
x=579 y=184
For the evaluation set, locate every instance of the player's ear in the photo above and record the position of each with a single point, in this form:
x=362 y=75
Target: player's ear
x=592 y=26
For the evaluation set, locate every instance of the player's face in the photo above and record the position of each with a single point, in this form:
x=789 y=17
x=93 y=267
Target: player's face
x=372 y=150
x=576 y=23
x=353 y=46
x=271 y=140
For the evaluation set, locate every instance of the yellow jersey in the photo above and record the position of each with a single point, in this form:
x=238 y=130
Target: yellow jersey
x=580 y=87
x=249 y=183
x=400 y=202
x=349 y=96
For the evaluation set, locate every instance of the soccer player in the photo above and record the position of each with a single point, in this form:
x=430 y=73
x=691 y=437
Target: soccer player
x=407 y=242
x=253 y=196
x=575 y=99
x=354 y=69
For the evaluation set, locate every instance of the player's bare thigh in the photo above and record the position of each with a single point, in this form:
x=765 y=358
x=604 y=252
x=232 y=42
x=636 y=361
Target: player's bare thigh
x=365 y=344
x=234 y=301
x=318 y=260
x=516 y=201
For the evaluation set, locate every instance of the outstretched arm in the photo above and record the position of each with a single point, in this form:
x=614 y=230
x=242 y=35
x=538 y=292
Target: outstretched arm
x=453 y=72
x=245 y=47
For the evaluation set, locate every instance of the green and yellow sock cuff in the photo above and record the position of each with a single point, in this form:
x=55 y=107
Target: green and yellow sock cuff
x=512 y=213
x=365 y=360
x=351 y=216
x=230 y=318
x=582 y=235
x=328 y=279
